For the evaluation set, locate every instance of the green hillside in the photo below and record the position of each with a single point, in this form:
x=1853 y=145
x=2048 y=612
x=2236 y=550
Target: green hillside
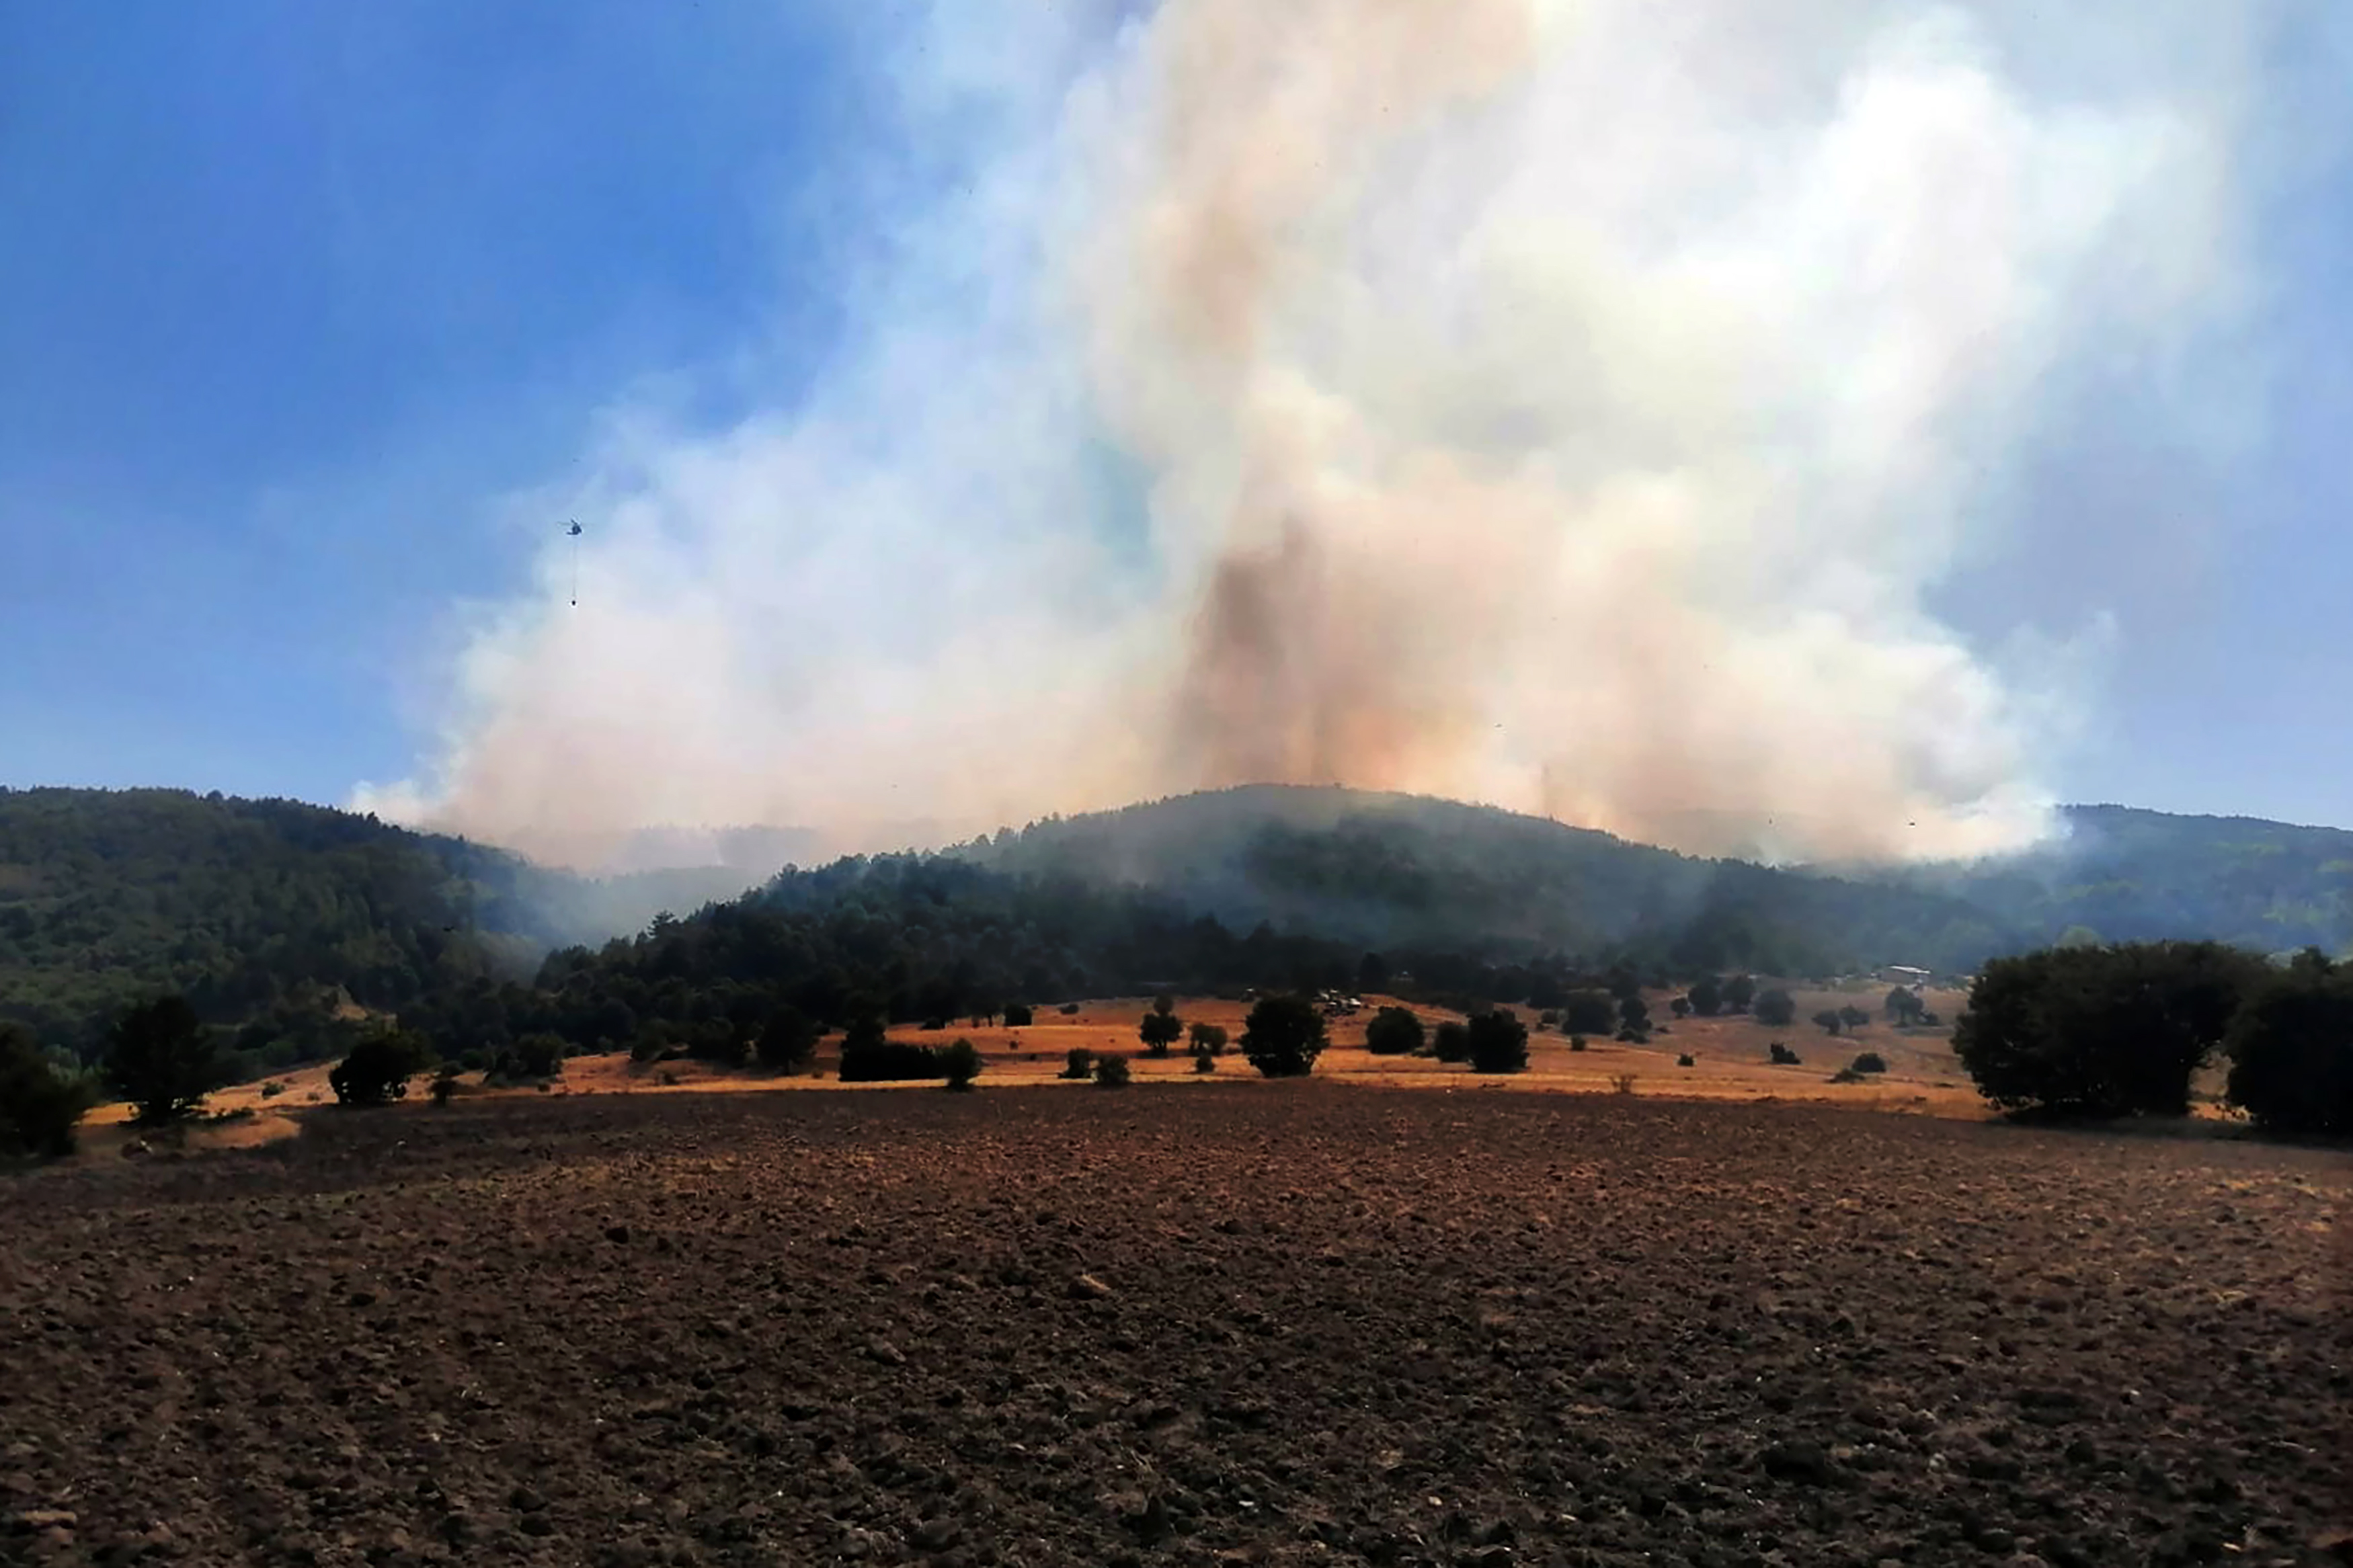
x=1398 y=871
x=269 y=915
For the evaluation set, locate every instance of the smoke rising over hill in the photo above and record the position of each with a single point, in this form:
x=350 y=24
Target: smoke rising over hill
x=1572 y=407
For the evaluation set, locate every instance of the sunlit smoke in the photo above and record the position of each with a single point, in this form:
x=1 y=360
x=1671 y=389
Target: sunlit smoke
x=1571 y=406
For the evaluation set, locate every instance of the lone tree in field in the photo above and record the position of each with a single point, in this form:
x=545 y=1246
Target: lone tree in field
x=1775 y=1009
x=1499 y=1043
x=1208 y=1039
x=2292 y=1051
x=1904 y=1007
x=40 y=1106
x=379 y=1069
x=1283 y=1036
x=1394 y=1032
x=1829 y=1021
x=1161 y=1027
x=2099 y=1032
x=161 y=1060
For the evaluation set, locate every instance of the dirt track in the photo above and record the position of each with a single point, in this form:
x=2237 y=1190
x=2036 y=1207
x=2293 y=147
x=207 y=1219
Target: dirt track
x=1248 y=1323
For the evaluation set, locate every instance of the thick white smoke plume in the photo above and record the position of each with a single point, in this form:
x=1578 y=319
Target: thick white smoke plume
x=1567 y=405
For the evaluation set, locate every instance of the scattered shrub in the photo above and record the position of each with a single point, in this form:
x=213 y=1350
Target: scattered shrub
x=1451 y=1041
x=1623 y=1083
x=379 y=1069
x=40 y=1106
x=1686 y=1061
x=1283 y=1036
x=1017 y=1014
x=1774 y=1008
x=866 y=1060
x=1078 y=1064
x=1499 y=1043
x=1208 y=1039
x=1161 y=1028
x=272 y=1089
x=1111 y=1072
x=1204 y=1061
x=1869 y=1061
x=1394 y=1032
x=787 y=1041
x=1829 y=1022
x=960 y=1064
x=538 y=1056
x=1590 y=1013
x=1576 y=1042
x=445 y=1083
x=160 y=1058
x=933 y=1025
x=1068 y=1009
x=1783 y=1056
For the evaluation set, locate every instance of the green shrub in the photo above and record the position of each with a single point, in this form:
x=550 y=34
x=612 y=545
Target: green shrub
x=2102 y=1031
x=161 y=1059
x=1499 y=1043
x=1111 y=1072
x=1283 y=1036
x=1394 y=1032
x=40 y=1106
x=787 y=1041
x=868 y=1060
x=379 y=1069
x=2292 y=1051
x=960 y=1063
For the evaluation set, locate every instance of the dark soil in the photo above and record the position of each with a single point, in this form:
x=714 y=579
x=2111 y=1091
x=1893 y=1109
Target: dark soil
x=1256 y=1323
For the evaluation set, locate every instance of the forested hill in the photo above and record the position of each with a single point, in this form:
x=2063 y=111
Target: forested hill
x=2127 y=875
x=1395 y=871
x=1401 y=871
x=268 y=913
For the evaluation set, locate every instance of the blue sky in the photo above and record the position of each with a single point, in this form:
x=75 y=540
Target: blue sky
x=294 y=288
x=299 y=297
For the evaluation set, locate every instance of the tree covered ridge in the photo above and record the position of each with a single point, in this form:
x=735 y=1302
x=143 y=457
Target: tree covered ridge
x=1391 y=869
x=273 y=913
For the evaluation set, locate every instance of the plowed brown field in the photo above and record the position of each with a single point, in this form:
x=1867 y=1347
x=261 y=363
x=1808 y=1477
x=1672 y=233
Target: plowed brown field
x=1240 y=1322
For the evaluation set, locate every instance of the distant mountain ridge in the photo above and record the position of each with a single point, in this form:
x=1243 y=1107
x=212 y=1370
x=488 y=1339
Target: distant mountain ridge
x=1399 y=869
